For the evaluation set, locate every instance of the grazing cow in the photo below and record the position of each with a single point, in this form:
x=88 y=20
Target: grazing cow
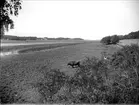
x=74 y=64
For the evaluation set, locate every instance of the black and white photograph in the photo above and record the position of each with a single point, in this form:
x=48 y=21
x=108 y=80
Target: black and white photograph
x=69 y=52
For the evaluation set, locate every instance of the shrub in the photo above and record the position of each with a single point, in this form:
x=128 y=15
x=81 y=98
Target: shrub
x=125 y=63
x=106 y=40
x=110 y=40
x=114 y=39
x=43 y=90
x=127 y=59
x=51 y=84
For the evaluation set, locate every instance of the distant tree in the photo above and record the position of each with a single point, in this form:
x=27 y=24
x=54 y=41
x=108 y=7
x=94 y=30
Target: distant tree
x=114 y=39
x=78 y=39
x=8 y=8
x=106 y=40
x=132 y=35
x=121 y=37
x=10 y=37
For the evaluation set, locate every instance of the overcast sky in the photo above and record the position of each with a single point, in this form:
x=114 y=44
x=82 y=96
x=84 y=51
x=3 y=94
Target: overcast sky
x=80 y=18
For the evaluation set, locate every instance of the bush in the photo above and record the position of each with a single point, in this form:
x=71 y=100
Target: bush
x=125 y=63
x=52 y=83
x=110 y=40
x=106 y=40
x=41 y=91
x=127 y=57
x=114 y=39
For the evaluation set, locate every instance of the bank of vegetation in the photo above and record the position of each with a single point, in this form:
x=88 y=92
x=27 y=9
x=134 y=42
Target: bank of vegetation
x=114 y=39
x=20 y=38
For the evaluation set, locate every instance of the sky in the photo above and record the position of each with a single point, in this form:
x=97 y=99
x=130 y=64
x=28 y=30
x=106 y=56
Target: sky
x=87 y=19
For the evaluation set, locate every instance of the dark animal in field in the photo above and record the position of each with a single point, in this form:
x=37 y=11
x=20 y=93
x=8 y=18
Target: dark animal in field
x=74 y=64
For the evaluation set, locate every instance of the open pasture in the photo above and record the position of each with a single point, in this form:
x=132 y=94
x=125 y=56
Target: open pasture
x=54 y=58
x=28 y=68
x=129 y=42
x=7 y=43
x=11 y=45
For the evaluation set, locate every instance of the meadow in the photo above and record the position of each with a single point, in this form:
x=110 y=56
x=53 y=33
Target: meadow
x=8 y=45
x=56 y=53
x=129 y=42
x=22 y=74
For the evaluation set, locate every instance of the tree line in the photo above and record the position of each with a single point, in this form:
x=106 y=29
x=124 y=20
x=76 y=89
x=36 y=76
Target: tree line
x=9 y=37
x=62 y=38
x=114 y=39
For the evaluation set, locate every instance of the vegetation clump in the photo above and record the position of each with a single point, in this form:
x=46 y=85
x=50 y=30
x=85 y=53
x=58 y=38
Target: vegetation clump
x=110 y=40
x=114 y=39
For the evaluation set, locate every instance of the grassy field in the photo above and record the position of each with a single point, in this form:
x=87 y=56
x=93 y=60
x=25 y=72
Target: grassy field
x=35 y=41
x=129 y=42
x=11 y=45
x=6 y=43
x=28 y=68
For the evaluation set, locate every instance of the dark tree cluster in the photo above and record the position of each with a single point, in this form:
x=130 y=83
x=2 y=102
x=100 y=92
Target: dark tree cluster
x=110 y=40
x=62 y=38
x=77 y=39
x=9 y=37
x=132 y=35
x=114 y=39
x=59 y=38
